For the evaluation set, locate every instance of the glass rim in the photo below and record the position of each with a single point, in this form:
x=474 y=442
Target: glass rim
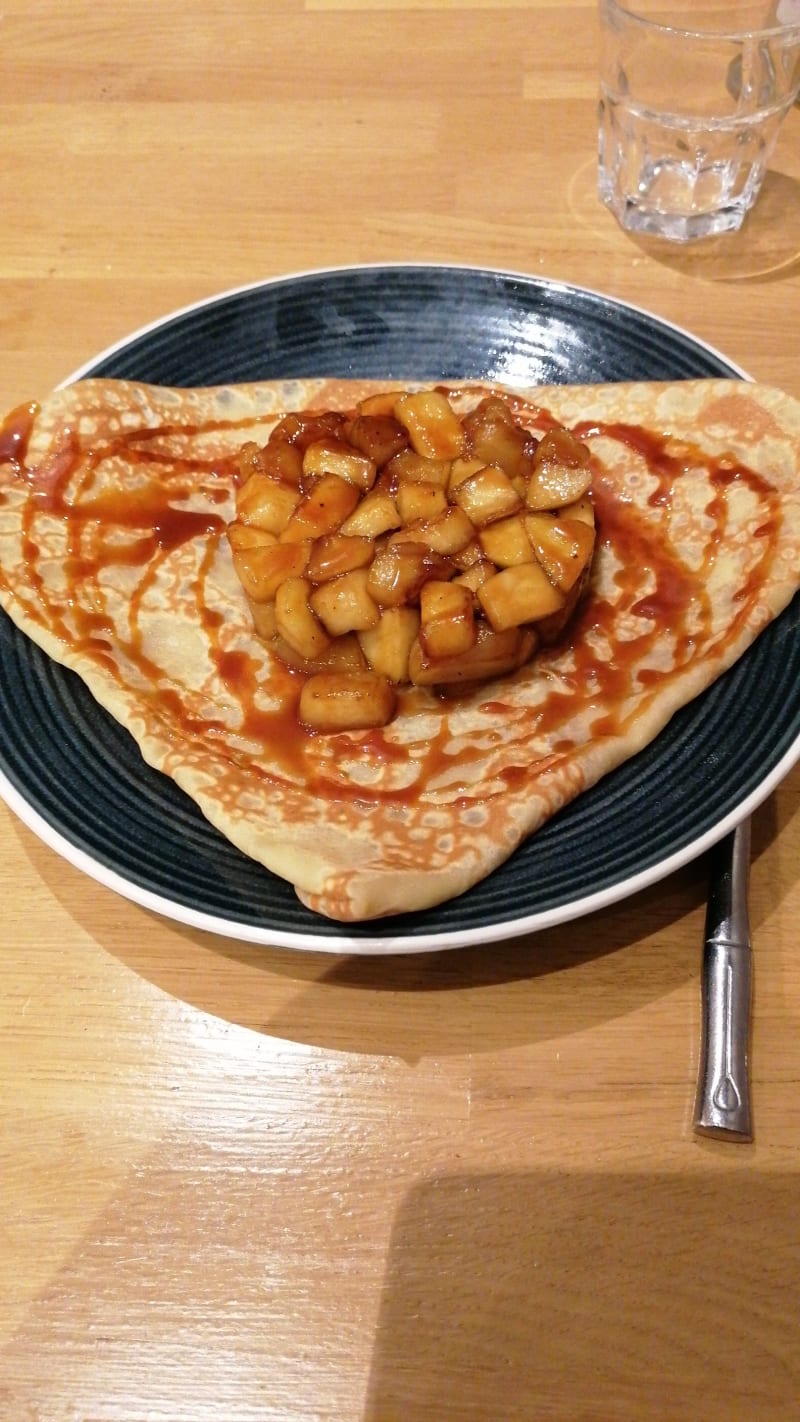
x=725 y=32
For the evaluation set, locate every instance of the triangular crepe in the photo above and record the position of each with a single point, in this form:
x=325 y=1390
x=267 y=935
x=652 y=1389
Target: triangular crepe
x=114 y=500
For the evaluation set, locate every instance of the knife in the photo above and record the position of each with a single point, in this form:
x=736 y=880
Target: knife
x=722 y=1104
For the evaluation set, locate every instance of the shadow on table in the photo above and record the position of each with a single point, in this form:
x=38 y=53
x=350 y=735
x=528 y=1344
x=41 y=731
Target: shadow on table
x=534 y=988
x=766 y=248
x=569 y=1296
x=482 y=997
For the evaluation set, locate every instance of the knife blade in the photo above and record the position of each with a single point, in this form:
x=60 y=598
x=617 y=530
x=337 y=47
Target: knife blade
x=722 y=1104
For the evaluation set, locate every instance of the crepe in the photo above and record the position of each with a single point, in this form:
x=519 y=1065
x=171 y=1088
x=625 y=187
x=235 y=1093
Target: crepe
x=114 y=501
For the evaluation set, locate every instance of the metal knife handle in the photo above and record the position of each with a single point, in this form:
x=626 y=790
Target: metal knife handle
x=722 y=1106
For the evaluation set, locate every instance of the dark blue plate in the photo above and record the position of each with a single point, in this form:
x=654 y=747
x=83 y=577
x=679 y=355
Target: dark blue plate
x=78 y=780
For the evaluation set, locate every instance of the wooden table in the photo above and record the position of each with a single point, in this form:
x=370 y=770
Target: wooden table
x=242 y=1183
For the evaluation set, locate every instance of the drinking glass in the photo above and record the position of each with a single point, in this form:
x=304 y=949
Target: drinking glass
x=692 y=97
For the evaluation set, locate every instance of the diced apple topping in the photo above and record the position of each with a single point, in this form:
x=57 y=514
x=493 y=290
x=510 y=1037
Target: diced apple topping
x=264 y=619
x=476 y=574
x=262 y=569
x=400 y=569
x=433 y=426
x=280 y=460
x=407 y=467
x=447 y=619
x=264 y=502
x=506 y=542
x=518 y=595
x=337 y=553
x=345 y=604
x=322 y=510
x=346 y=701
x=561 y=472
x=563 y=546
x=376 y=514
x=334 y=456
x=493 y=654
x=420 y=502
x=343 y=654
x=487 y=495
x=400 y=543
x=242 y=535
x=450 y=532
x=379 y=437
x=387 y=645
x=295 y=621
x=496 y=438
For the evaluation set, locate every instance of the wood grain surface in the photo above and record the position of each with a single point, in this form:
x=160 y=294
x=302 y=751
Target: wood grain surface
x=244 y=1183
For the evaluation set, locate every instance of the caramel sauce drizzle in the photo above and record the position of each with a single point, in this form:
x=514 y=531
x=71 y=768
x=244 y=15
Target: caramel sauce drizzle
x=15 y=434
x=150 y=511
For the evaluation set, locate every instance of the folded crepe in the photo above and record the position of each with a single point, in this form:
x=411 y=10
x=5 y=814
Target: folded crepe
x=114 y=502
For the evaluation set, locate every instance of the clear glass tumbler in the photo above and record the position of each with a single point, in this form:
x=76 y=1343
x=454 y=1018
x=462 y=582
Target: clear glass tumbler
x=692 y=98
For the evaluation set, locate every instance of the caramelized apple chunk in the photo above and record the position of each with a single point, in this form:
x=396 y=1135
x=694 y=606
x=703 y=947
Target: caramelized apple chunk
x=266 y=503
x=402 y=544
x=377 y=513
x=329 y=501
x=493 y=654
x=335 y=456
x=449 y=533
x=582 y=509
x=563 y=546
x=447 y=619
x=561 y=471
x=400 y=569
x=279 y=459
x=342 y=654
x=487 y=495
x=420 y=502
x=518 y=595
x=345 y=604
x=243 y=535
x=387 y=645
x=495 y=437
x=408 y=467
x=295 y=622
x=506 y=542
x=379 y=437
x=346 y=701
x=476 y=574
x=337 y=553
x=381 y=404
x=433 y=426
x=262 y=569
x=303 y=428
